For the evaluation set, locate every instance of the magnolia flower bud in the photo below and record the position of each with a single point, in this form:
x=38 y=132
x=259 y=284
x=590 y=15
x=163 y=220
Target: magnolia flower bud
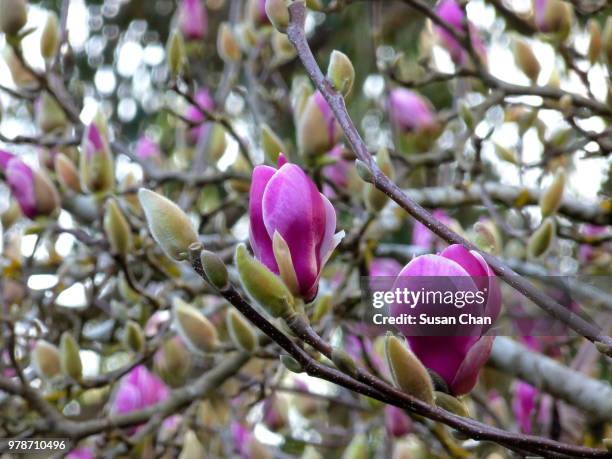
x=96 y=165
x=291 y=364
x=47 y=197
x=282 y=47
x=49 y=40
x=278 y=13
x=49 y=114
x=262 y=285
x=408 y=372
x=67 y=173
x=542 y=238
x=607 y=41
x=192 y=448
x=215 y=270
x=317 y=128
x=526 y=60
x=321 y=308
x=452 y=404
x=487 y=237
x=374 y=198
x=506 y=154
x=173 y=361
x=271 y=144
x=133 y=337
x=117 y=229
x=551 y=198
x=357 y=448
x=177 y=57
x=197 y=331
x=46 y=359
x=301 y=90
x=363 y=171
x=227 y=44
x=168 y=224
x=241 y=331
x=341 y=72
x=13 y=16
x=70 y=359
x=595 y=41
x=343 y=361
x=275 y=412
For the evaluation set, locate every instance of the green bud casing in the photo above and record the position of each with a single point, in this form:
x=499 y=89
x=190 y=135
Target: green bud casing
x=341 y=72
x=117 y=229
x=241 y=331
x=177 y=56
x=551 y=198
x=69 y=356
x=195 y=329
x=542 y=239
x=46 y=359
x=215 y=270
x=133 y=337
x=408 y=372
x=278 y=13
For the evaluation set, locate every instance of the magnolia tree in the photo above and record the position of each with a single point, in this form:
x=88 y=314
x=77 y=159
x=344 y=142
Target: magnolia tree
x=201 y=201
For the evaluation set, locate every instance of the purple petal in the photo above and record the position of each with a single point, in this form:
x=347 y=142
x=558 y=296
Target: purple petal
x=384 y=267
x=5 y=157
x=467 y=374
x=193 y=19
x=523 y=404
x=261 y=242
x=409 y=110
x=20 y=180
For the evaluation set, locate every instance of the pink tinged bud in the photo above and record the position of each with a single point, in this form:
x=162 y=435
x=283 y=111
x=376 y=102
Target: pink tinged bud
x=147 y=148
x=317 y=129
x=397 y=422
x=193 y=19
x=456 y=359
x=20 y=179
x=524 y=404
x=337 y=173
x=275 y=413
x=453 y=15
x=195 y=115
x=286 y=202
x=411 y=112
x=81 y=453
x=96 y=165
x=241 y=437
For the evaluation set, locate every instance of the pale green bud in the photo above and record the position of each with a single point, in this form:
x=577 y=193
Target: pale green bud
x=169 y=225
x=343 y=361
x=291 y=364
x=263 y=285
x=96 y=165
x=357 y=448
x=46 y=359
x=506 y=154
x=452 y=404
x=487 y=236
x=133 y=337
x=49 y=40
x=69 y=356
x=177 y=57
x=227 y=44
x=215 y=270
x=47 y=197
x=241 y=331
x=607 y=41
x=551 y=198
x=173 y=361
x=301 y=90
x=195 y=329
x=278 y=13
x=374 y=198
x=321 y=308
x=282 y=47
x=525 y=60
x=67 y=173
x=13 y=16
x=363 y=170
x=117 y=229
x=192 y=448
x=271 y=144
x=217 y=142
x=542 y=238
x=408 y=372
x=49 y=114
x=594 y=42
x=341 y=72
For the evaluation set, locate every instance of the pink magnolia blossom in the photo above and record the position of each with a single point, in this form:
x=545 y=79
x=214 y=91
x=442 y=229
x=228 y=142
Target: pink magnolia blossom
x=524 y=404
x=146 y=148
x=458 y=356
x=422 y=236
x=204 y=101
x=410 y=111
x=193 y=19
x=336 y=173
x=397 y=422
x=286 y=201
x=453 y=15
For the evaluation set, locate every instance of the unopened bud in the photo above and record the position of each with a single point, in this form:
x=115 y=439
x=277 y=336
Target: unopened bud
x=357 y=448
x=542 y=238
x=96 y=165
x=551 y=197
x=117 y=229
x=49 y=115
x=291 y=364
x=526 y=60
x=227 y=44
x=594 y=42
x=408 y=372
x=343 y=361
x=487 y=236
x=13 y=16
x=565 y=104
x=607 y=41
x=49 y=40
x=46 y=359
x=374 y=198
x=263 y=285
x=47 y=197
x=278 y=13
x=215 y=270
x=173 y=361
x=275 y=412
x=217 y=142
x=241 y=331
x=271 y=144
x=452 y=404
x=506 y=154
x=467 y=116
x=67 y=173
x=321 y=308
x=197 y=331
x=69 y=356
x=301 y=90
x=133 y=337
x=177 y=56
x=341 y=72
x=364 y=171
x=192 y=448
x=169 y=225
